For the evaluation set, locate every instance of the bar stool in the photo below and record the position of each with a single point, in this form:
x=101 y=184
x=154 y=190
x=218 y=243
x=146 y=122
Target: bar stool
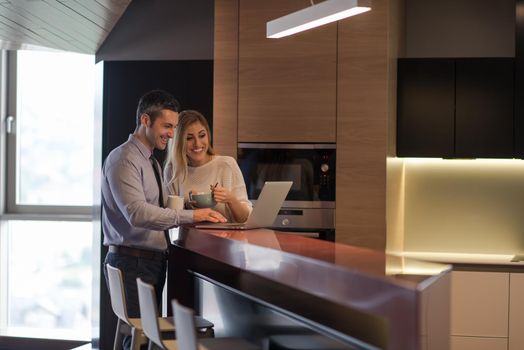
x=127 y=325
x=186 y=336
x=149 y=316
x=133 y=326
x=152 y=324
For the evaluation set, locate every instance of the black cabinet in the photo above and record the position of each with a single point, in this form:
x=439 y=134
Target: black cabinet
x=519 y=98
x=425 y=107
x=484 y=107
x=519 y=80
x=456 y=108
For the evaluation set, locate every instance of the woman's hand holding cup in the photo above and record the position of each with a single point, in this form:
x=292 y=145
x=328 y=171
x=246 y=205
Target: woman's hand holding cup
x=201 y=199
x=220 y=194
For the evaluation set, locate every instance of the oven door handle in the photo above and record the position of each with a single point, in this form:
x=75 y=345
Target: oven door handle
x=296 y=212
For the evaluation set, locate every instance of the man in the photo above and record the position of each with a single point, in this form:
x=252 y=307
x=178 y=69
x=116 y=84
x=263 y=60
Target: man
x=133 y=217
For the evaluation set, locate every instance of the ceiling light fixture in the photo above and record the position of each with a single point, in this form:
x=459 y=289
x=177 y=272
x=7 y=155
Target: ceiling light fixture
x=316 y=15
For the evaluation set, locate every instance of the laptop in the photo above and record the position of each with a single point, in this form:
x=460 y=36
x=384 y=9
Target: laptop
x=264 y=211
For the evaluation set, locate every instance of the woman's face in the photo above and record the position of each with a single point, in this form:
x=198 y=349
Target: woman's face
x=197 y=142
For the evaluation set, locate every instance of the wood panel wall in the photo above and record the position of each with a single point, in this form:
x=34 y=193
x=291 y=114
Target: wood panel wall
x=362 y=128
x=225 y=93
x=362 y=101
x=287 y=86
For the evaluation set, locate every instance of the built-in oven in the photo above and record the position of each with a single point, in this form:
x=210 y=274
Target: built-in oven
x=310 y=204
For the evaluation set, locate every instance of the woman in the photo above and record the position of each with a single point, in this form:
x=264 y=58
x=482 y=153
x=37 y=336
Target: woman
x=193 y=166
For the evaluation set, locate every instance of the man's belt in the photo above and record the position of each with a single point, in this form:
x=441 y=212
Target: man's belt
x=138 y=253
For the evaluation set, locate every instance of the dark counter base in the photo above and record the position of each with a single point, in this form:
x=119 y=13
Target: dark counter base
x=313 y=313
x=261 y=283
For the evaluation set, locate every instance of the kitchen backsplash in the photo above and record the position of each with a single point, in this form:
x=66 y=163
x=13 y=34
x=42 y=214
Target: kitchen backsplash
x=468 y=206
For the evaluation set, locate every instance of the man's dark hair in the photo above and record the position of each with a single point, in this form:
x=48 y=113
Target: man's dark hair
x=152 y=102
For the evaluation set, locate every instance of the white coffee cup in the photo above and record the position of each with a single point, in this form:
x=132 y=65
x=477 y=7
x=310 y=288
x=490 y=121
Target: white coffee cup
x=175 y=202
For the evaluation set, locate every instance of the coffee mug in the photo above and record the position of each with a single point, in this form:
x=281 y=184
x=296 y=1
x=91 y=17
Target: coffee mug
x=202 y=199
x=175 y=202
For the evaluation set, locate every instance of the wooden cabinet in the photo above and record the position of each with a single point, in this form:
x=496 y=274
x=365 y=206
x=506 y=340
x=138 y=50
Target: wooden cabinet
x=328 y=84
x=286 y=87
x=516 y=311
x=487 y=310
x=365 y=66
x=478 y=343
x=479 y=304
x=455 y=108
x=225 y=78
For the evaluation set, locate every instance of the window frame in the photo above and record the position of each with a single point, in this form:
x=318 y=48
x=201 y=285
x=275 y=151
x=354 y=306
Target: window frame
x=12 y=209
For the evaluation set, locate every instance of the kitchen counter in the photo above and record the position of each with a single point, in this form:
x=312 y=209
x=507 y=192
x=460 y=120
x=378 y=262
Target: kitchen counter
x=353 y=295
x=471 y=261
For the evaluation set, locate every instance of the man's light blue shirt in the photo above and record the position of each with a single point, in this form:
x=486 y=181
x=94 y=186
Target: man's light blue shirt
x=130 y=195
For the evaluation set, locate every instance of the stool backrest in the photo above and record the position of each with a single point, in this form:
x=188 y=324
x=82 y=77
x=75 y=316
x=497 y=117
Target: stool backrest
x=149 y=312
x=116 y=290
x=186 y=338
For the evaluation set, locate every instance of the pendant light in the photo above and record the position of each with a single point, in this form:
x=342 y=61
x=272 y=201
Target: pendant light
x=316 y=15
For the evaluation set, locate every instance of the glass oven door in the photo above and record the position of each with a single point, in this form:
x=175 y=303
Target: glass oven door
x=311 y=167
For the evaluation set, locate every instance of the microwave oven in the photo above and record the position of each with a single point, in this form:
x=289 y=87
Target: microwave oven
x=310 y=203
x=311 y=167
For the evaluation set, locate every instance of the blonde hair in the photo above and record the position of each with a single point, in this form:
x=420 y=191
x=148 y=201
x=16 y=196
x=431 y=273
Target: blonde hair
x=177 y=162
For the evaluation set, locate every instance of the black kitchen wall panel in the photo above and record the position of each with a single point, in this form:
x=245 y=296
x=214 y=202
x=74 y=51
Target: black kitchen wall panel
x=484 y=108
x=191 y=82
x=425 y=107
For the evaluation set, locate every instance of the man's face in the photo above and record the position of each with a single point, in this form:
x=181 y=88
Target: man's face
x=162 y=129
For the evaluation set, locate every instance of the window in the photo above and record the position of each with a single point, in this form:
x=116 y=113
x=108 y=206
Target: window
x=49 y=278
x=46 y=231
x=51 y=154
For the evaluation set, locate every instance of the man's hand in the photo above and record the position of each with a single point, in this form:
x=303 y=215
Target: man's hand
x=207 y=215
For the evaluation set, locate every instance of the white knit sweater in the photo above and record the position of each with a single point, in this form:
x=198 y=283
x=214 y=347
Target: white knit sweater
x=223 y=170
